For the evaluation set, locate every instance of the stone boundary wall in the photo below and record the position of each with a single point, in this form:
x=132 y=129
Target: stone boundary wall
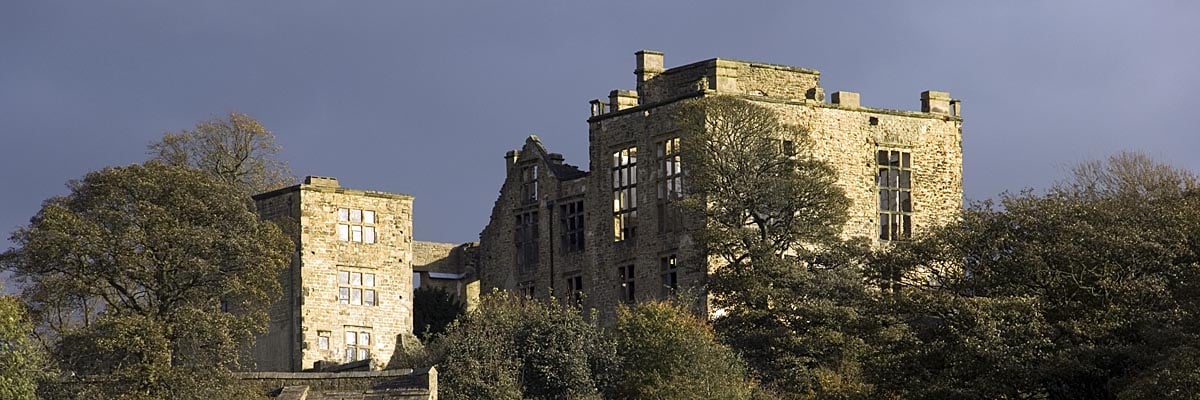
x=399 y=384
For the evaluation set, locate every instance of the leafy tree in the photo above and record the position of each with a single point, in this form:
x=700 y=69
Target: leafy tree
x=434 y=309
x=668 y=353
x=238 y=150
x=759 y=197
x=1086 y=292
x=514 y=348
x=787 y=292
x=20 y=355
x=154 y=253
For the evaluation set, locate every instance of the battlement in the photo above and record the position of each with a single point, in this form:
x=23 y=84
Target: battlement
x=657 y=84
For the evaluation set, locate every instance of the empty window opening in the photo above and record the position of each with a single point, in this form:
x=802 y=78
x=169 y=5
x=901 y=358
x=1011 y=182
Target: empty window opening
x=526 y=232
x=628 y=290
x=571 y=219
x=669 y=270
x=624 y=176
x=895 y=194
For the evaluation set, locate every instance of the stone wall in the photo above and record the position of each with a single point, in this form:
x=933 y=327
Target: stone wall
x=847 y=138
x=276 y=349
x=401 y=384
x=449 y=266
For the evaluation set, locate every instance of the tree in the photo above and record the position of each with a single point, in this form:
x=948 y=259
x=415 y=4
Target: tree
x=21 y=356
x=759 y=192
x=788 y=295
x=521 y=348
x=237 y=150
x=668 y=353
x=434 y=309
x=1091 y=290
x=156 y=254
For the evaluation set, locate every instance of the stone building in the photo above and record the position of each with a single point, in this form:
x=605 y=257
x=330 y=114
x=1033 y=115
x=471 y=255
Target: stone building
x=449 y=267
x=594 y=237
x=347 y=296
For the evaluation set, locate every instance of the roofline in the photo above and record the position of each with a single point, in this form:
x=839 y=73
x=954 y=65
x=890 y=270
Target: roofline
x=716 y=60
x=327 y=189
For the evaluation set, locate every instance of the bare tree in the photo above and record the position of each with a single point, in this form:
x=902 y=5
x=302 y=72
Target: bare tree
x=237 y=150
x=759 y=191
x=1129 y=175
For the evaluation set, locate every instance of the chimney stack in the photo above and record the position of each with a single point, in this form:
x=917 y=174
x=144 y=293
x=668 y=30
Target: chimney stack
x=621 y=99
x=845 y=99
x=649 y=65
x=323 y=181
x=935 y=102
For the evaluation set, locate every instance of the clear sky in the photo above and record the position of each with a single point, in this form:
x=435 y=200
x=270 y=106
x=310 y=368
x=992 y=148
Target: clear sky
x=425 y=98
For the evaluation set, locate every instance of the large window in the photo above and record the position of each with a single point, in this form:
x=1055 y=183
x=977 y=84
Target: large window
x=571 y=219
x=895 y=194
x=529 y=183
x=355 y=225
x=670 y=184
x=624 y=178
x=358 y=344
x=527 y=240
x=669 y=270
x=628 y=290
x=357 y=288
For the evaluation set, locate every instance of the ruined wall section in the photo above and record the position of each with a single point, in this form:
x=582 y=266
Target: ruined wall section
x=498 y=242
x=497 y=255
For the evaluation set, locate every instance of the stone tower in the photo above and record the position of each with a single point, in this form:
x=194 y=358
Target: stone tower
x=347 y=296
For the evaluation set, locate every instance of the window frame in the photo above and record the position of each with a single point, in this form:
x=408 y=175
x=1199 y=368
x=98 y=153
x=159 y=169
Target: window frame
x=628 y=280
x=623 y=174
x=575 y=289
x=894 y=182
x=529 y=182
x=571 y=219
x=527 y=236
x=669 y=185
x=357 y=225
x=356 y=344
x=669 y=275
x=349 y=291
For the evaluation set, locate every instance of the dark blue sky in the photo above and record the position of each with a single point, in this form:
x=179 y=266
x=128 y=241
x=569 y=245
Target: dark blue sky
x=424 y=98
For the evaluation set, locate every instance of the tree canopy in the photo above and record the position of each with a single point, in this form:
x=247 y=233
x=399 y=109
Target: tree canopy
x=515 y=348
x=1089 y=291
x=165 y=256
x=237 y=150
x=668 y=353
x=22 y=357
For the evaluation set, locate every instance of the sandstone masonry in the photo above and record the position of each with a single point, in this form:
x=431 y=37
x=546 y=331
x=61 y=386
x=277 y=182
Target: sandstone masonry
x=348 y=292
x=604 y=237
